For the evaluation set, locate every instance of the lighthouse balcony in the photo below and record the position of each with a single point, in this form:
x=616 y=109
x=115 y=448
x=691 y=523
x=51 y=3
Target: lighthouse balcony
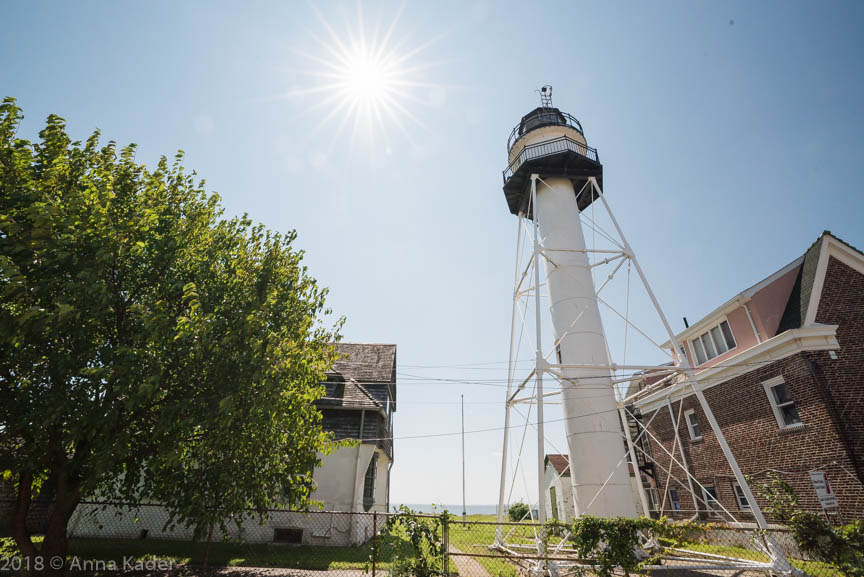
x=550 y=148
x=561 y=156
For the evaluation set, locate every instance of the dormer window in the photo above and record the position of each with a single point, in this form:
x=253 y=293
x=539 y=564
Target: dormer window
x=713 y=342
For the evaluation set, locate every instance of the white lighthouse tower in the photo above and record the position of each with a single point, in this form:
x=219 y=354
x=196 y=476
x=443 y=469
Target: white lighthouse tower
x=552 y=177
x=550 y=165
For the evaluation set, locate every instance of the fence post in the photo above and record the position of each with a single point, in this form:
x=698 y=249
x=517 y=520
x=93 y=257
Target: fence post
x=445 y=537
x=374 y=541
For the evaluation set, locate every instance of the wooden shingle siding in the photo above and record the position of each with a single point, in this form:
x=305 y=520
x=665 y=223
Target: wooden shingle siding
x=379 y=392
x=370 y=425
x=364 y=379
x=343 y=424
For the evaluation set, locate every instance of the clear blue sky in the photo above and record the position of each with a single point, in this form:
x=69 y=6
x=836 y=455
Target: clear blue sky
x=732 y=134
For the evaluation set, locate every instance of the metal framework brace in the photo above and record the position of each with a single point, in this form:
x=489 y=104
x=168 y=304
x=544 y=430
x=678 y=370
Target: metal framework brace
x=673 y=377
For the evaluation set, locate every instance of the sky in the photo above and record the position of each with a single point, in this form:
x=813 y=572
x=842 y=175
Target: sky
x=731 y=135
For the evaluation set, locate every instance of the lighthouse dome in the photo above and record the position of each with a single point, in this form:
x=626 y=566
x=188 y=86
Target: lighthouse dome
x=548 y=142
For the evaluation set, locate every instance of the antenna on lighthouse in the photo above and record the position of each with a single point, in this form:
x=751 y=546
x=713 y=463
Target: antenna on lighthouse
x=546 y=96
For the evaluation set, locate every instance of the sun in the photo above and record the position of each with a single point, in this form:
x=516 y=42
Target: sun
x=366 y=79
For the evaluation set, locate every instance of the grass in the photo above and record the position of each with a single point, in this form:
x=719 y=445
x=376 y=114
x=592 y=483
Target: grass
x=469 y=538
x=817 y=568
x=472 y=538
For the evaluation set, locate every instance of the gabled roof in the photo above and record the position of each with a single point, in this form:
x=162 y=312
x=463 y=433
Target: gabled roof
x=366 y=362
x=348 y=394
x=364 y=377
x=560 y=462
x=796 y=307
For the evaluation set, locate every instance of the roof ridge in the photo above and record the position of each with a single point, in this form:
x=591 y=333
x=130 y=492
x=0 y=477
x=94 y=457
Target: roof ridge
x=367 y=393
x=838 y=239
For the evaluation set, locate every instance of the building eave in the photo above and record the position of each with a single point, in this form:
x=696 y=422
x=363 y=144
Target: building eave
x=738 y=300
x=812 y=338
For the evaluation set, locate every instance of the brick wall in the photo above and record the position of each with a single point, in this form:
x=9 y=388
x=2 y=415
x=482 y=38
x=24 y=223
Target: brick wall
x=743 y=411
x=842 y=303
x=829 y=395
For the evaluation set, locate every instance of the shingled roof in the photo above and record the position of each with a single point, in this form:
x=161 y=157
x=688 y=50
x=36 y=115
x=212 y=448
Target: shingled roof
x=366 y=362
x=560 y=462
x=799 y=299
x=364 y=377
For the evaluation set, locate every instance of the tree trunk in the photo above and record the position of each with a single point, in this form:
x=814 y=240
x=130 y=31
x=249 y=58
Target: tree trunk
x=55 y=546
x=19 y=517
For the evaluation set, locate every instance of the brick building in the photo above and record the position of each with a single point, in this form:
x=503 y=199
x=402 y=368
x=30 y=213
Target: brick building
x=782 y=368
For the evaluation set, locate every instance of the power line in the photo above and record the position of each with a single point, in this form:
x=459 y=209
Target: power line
x=435 y=435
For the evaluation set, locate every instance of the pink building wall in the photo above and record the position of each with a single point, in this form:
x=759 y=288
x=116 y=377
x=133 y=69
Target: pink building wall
x=743 y=333
x=766 y=308
x=768 y=304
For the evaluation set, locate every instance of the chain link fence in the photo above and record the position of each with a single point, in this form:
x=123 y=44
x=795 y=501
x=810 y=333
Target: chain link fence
x=106 y=537
x=485 y=548
x=110 y=538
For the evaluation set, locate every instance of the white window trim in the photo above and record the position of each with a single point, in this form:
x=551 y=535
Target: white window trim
x=738 y=496
x=710 y=336
x=653 y=499
x=687 y=414
x=711 y=504
x=767 y=385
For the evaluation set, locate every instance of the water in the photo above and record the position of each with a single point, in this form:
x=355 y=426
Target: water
x=454 y=509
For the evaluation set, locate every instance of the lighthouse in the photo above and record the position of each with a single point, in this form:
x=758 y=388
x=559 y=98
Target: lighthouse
x=549 y=181
x=552 y=177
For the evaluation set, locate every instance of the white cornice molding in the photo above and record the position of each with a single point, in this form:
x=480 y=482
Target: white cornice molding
x=786 y=344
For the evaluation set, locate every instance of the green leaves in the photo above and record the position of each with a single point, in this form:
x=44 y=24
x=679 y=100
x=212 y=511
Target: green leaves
x=815 y=535
x=151 y=347
x=613 y=544
x=423 y=537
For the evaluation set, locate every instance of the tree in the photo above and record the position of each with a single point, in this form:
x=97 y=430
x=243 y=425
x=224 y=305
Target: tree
x=149 y=347
x=518 y=511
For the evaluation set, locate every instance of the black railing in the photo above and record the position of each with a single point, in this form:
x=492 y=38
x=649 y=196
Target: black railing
x=544 y=117
x=549 y=148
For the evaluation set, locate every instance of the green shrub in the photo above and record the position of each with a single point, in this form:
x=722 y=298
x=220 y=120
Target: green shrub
x=841 y=546
x=518 y=511
x=420 y=552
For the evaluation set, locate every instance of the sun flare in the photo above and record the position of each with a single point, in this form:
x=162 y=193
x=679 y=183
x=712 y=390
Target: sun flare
x=366 y=80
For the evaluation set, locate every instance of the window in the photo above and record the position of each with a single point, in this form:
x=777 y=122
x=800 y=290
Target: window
x=711 y=502
x=674 y=501
x=693 y=425
x=714 y=342
x=369 y=483
x=554 y=502
x=653 y=503
x=287 y=535
x=782 y=404
x=743 y=503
